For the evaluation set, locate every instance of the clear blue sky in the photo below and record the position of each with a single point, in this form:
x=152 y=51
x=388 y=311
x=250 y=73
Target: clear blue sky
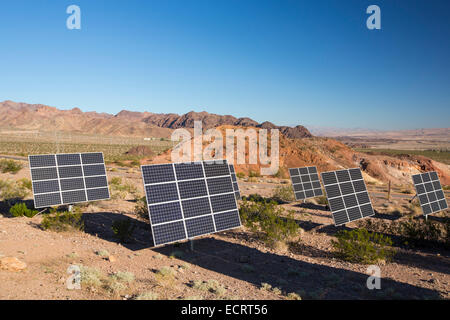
x=288 y=62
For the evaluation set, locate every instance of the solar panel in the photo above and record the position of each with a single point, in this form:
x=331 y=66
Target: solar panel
x=305 y=182
x=187 y=200
x=237 y=193
x=430 y=193
x=68 y=178
x=347 y=195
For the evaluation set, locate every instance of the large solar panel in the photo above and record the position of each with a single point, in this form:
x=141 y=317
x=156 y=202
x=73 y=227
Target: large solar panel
x=68 y=178
x=347 y=195
x=305 y=182
x=429 y=191
x=186 y=200
x=237 y=193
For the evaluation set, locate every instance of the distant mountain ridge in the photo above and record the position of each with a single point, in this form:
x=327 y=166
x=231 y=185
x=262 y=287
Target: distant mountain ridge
x=43 y=117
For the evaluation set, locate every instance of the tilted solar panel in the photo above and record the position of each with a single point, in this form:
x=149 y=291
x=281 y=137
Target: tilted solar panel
x=237 y=193
x=430 y=193
x=186 y=200
x=305 y=182
x=68 y=178
x=347 y=195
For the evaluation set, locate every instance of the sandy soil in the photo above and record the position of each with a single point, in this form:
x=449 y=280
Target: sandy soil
x=236 y=259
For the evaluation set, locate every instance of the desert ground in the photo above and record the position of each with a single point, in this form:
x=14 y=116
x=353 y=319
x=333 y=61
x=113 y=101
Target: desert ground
x=234 y=264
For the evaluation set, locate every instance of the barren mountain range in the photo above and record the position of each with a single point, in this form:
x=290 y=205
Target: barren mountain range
x=126 y=123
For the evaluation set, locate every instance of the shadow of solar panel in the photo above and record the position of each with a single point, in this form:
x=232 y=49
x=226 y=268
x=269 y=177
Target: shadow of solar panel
x=72 y=184
x=44 y=174
x=161 y=192
x=70 y=172
x=73 y=196
x=68 y=159
x=158 y=173
x=46 y=186
x=227 y=220
x=219 y=185
x=96 y=182
x=169 y=232
x=223 y=202
x=97 y=194
x=186 y=171
x=199 y=226
x=94 y=170
x=92 y=158
x=47 y=200
x=42 y=161
x=166 y=212
x=192 y=189
x=215 y=169
x=196 y=207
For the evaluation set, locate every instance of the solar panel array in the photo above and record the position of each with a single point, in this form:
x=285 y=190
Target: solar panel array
x=305 y=182
x=237 y=193
x=347 y=195
x=68 y=178
x=186 y=200
x=429 y=191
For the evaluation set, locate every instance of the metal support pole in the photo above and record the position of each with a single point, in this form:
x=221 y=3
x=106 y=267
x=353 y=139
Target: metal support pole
x=413 y=198
x=191 y=243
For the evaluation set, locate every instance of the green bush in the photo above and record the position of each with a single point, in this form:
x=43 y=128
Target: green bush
x=283 y=194
x=418 y=233
x=268 y=220
x=63 y=221
x=240 y=175
x=141 y=208
x=322 y=200
x=12 y=191
x=362 y=246
x=11 y=166
x=21 y=210
x=123 y=229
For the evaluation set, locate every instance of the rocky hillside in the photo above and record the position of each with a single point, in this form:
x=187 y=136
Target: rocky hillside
x=125 y=123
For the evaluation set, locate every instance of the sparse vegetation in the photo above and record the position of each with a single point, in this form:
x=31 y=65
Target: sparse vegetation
x=283 y=194
x=102 y=253
x=12 y=191
x=212 y=286
x=10 y=166
x=322 y=200
x=362 y=246
x=141 y=208
x=147 y=296
x=95 y=279
x=21 y=210
x=270 y=221
x=240 y=175
x=294 y=296
x=121 y=189
x=63 y=221
x=123 y=230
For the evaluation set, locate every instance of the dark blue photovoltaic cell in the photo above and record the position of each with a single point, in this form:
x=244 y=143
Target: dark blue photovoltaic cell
x=92 y=158
x=186 y=171
x=94 y=170
x=223 y=202
x=429 y=192
x=68 y=159
x=196 y=207
x=227 y=220
x=347 y=195
x=293 y=172
x=215 y=169
x=47 y=200
x=192 y=189
x=64 y=172
x=96 y=182
x=158 y=173
x=46 y=186
x=97 y=194
x=160 y=213
x=199 y=226
x=72 y=184
x=219 y=185
x=42 y=161
x=169 y=232
x=44 y=174
x=161 y=192
x=70 y=172
x=74 y=196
